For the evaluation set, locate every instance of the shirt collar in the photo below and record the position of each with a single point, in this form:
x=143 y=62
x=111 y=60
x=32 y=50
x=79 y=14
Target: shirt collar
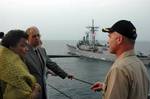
x=126 y=54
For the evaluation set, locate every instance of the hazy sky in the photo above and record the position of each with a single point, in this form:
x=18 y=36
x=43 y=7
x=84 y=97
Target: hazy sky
x=67 y=19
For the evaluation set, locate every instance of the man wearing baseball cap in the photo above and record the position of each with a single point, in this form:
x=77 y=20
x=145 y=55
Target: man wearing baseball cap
x=128 y=77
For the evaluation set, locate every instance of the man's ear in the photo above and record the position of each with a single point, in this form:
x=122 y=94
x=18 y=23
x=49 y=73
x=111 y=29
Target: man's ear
x=120 y=39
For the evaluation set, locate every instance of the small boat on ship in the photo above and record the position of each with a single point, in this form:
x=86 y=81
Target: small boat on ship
x=90 y=47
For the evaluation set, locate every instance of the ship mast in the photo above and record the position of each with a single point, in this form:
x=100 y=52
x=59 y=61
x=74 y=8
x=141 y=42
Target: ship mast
x=93 y=33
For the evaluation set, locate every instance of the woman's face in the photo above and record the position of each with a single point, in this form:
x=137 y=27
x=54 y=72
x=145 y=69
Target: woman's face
x=21 y=47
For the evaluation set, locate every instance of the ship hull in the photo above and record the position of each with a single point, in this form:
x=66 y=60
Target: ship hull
x=94 y=55
x=105 y=55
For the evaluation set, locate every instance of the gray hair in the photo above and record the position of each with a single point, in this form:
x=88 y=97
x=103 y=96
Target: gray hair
x=32 y=29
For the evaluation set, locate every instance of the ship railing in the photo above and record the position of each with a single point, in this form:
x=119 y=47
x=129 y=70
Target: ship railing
x=62 y=56
x=74 y=56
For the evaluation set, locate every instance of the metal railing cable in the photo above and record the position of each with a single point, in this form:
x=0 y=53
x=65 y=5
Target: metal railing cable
x=83 y=81
x=69 y=97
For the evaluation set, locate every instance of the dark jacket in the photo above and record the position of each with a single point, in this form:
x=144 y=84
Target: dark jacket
x=39 y=69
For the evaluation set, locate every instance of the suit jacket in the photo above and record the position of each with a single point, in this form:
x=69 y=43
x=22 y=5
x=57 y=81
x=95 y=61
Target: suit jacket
x=39 y=69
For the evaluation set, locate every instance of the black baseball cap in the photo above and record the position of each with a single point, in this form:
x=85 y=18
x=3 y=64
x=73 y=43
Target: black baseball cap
x=124 y=27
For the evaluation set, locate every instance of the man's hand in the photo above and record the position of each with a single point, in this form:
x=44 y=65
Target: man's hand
x=98 y=86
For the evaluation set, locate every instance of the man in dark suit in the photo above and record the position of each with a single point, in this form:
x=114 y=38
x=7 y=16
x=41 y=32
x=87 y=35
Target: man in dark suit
x=38 y=62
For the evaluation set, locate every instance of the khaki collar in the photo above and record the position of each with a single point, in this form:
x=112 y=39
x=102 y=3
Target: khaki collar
x=126 y=54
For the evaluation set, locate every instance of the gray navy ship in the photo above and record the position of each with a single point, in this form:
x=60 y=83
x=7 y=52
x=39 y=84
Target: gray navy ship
x=90 y=47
